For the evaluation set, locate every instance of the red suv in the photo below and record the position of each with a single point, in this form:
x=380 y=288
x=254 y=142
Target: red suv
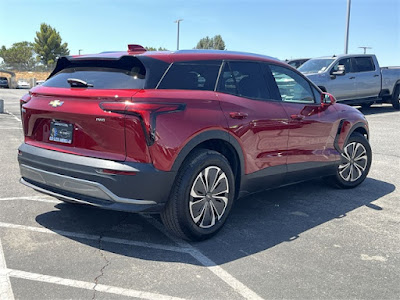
x=184 y=133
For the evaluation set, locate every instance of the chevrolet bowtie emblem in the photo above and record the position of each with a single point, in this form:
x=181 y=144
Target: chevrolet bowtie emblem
x=56 y=103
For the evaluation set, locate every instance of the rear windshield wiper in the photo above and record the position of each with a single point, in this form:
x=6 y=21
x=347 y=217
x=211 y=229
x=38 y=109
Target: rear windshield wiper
x=74 y=82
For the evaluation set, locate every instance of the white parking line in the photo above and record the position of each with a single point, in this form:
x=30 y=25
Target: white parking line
x=14 y=116
x=239 y=287
x=87 y=285
x=6 y=292
x=184 y=247
x=95 y=237
x=32 y=198
x=10 y=128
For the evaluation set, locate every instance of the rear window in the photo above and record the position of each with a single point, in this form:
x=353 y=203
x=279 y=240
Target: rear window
x=364 y=64
x=192 y=75
x=126 y=73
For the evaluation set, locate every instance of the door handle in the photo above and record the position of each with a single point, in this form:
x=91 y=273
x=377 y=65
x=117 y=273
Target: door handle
x=297 y=117
x=376 y=75
x=352 y=77
x=238 y=115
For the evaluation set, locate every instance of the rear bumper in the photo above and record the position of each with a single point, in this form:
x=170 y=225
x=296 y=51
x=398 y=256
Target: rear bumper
x=81 y=179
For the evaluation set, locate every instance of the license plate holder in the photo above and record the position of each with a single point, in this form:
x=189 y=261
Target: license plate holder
x=61 y=132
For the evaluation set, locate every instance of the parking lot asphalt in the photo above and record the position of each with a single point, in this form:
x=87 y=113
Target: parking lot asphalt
x=305 y=241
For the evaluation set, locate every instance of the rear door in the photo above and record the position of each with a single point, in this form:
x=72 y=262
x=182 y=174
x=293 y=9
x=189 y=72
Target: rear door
x=312 y=127
x=368 y=82
x=255 y=118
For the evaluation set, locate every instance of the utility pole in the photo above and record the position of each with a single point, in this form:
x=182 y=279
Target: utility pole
x=346 y=41
x=177 y=38
x=365 y=49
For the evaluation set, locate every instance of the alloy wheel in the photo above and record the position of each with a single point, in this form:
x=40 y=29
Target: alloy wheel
x=209 y=197
x=354 y=162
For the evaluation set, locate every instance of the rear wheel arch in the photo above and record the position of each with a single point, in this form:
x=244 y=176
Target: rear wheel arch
x=220 y=141
x=395 y=96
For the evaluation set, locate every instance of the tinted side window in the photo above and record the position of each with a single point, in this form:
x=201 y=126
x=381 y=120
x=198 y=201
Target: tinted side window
x=364 y=64
x=292 y=86
x=244 y=79
x=197 y=75
x=346 y=62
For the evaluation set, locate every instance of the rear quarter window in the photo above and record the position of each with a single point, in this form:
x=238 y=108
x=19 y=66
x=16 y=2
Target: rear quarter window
x=191 y=75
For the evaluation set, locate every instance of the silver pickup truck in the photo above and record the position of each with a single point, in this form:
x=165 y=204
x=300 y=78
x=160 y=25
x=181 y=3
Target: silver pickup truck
x=355 y=79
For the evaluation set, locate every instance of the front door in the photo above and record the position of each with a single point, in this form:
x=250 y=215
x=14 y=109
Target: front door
x=312 y=128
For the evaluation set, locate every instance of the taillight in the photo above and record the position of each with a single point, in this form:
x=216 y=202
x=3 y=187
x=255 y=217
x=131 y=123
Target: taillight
x=24 y=99
x=146 y=111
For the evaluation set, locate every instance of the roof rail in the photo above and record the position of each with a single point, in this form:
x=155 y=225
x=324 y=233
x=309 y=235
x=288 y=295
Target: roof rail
x=136 y=48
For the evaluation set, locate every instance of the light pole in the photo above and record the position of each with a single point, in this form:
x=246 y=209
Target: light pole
x=346 y=41
x=80 y=51
x=177 y=38
x=365 y=49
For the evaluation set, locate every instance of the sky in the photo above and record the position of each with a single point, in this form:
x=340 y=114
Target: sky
x=280 y=28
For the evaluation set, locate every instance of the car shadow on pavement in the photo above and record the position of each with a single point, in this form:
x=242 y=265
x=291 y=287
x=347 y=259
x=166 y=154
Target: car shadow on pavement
x=377 y=109
x=257 y=222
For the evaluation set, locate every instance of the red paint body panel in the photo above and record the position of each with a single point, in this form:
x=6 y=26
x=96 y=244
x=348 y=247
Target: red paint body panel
x=312 y=136
x=174 y=130
x=263 y=134
x=351 y=117
x=96 y=133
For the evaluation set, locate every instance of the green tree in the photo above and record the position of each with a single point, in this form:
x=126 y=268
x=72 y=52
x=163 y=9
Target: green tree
x=48 y=45
x=215 y=42
x=19 y=56
x=155 y=49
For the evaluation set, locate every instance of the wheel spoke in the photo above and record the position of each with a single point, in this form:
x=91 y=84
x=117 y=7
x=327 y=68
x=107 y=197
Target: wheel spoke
x=200 y=214
x=206 y=184
x=208 y=219
x=219 y=204
x=220 y=185
x=342 y=173
x=199 y=188
x=359 y=166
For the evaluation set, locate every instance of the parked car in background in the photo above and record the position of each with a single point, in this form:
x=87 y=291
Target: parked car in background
x=296 y=63
x=355 y=79
x=39 y=82
x=4 y=82
x=184 y=133
x=23 y=84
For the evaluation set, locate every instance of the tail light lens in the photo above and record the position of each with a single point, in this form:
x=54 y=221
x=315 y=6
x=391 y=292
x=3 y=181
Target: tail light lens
x=146 y=111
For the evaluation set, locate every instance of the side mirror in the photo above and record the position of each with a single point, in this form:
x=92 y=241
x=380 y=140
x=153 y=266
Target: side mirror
x=341 y=70
x=327 y=99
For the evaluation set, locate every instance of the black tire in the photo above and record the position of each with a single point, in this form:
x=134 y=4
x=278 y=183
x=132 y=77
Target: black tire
x=355 y=164
x=183 y=208
x=395 y=97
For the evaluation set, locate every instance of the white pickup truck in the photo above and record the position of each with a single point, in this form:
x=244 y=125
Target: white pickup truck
x=355 y=79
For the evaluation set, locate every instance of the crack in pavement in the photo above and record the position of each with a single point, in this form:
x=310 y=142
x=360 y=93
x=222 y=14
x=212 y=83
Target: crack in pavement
x=107 y=262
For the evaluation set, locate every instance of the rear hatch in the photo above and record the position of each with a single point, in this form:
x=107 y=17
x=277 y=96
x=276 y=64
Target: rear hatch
x=65 y=112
